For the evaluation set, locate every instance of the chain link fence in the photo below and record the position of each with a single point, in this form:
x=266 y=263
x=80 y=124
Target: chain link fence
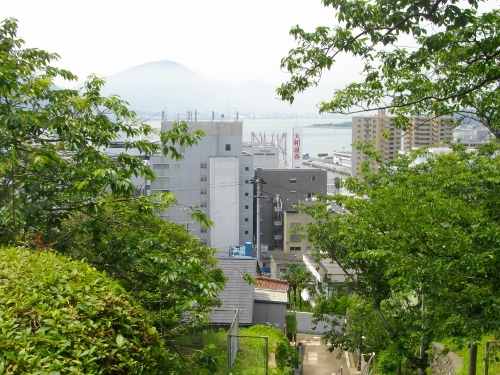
x=219 y=331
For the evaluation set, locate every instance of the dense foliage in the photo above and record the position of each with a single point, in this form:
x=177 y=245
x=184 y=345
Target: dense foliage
x=60 y=190
x=158 y=262
x=420 y=249
x=62 y=316
x=438 y=57
x=299 y=278
x=286 y=356
x=52 y=162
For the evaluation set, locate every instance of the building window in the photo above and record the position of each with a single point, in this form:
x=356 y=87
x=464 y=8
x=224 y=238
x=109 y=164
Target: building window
x=157 y=166
x=295 y=248
x=293 y=180
x=204 y=242
x=246 y=219
x=203 y=178
x=246 y=232
x=246 y=207
x=312 y=178
x=246 y=181
x=203 y=204
x=161 y=179
x=246 y=194
x=294 y=236
x=203 y=191
x=203 y=230
x=203 y=165
x=182 y=148
x=247 y=168
x=228 y=147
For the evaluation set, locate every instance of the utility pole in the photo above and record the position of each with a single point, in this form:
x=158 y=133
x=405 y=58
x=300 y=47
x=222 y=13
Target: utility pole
x=258 y=181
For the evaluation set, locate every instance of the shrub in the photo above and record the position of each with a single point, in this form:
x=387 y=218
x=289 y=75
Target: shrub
x=62 y=316
x=286 y=356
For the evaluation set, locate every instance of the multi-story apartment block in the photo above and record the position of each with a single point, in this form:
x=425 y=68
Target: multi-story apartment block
x=370 y=129
x=428 y=131
x=215 y=176
x=386 y=138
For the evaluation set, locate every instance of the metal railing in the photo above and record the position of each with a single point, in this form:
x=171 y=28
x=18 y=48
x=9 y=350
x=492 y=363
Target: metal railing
x=232 y=340
x=266 y=349
x=369 y=366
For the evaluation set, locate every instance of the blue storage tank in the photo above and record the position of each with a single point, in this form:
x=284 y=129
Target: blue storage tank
x=248 y=249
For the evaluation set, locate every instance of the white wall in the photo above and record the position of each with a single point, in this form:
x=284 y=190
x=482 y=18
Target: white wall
x=224 y=203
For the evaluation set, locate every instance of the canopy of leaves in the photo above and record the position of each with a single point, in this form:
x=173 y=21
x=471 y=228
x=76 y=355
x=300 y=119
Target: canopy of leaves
x=71 y=319
x=60 y=190
x=298 y=278
x=158 y=262
x=52 y=140
x=438 y=57
x=421 y=244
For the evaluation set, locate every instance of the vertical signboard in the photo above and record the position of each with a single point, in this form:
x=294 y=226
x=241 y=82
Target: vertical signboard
x=297 y=146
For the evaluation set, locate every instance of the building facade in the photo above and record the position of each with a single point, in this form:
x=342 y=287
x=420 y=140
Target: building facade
x=370 y=129
x=380 y=131
x=282 y=189
x=428 y=131
x=214 y=176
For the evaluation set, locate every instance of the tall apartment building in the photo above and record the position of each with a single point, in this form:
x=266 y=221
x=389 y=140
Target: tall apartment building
x=215 y=176
x=425 y=131
x=428 y=131
x=370 y=129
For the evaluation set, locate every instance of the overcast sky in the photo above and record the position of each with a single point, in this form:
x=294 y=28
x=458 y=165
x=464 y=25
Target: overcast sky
x=228 y=40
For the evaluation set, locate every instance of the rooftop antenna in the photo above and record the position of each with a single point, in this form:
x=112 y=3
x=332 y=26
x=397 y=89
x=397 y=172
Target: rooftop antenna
x=213 y=116
x=195 y=115
x=237 y=115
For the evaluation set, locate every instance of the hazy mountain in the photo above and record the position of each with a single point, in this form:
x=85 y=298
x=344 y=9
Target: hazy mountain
x=158 y=85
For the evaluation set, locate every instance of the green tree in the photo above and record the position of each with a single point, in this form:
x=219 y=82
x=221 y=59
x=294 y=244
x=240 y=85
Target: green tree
x=421 y=246
x=59 y=190
x=158 y=262
x=52 y=162
x=337 y=181
x=298 y=278
x=434 y=57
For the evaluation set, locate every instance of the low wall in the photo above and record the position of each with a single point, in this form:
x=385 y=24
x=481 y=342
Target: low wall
x=449 y=364
x=305 y=325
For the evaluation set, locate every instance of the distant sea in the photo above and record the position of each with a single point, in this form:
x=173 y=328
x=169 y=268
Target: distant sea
x=316 y=140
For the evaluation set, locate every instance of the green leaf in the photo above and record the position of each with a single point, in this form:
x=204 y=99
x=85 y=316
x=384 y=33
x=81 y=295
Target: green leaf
x=119 y=341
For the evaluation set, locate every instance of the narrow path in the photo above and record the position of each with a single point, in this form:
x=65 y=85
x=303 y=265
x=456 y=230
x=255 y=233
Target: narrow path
x=318 y=360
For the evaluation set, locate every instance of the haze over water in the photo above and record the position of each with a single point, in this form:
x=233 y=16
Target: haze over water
x=316 y=140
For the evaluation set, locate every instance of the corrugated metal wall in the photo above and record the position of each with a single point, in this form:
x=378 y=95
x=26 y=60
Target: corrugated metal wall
x=272 y=314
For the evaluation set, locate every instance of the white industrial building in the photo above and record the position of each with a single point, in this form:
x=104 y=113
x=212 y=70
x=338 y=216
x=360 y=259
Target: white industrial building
x=213 y=175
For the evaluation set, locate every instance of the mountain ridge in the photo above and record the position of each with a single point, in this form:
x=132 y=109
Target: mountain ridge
x=154 y=86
